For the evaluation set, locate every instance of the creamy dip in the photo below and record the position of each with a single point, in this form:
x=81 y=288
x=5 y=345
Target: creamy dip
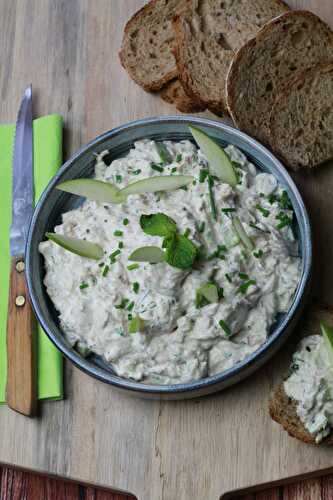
x=311 y=386
x=180 y=342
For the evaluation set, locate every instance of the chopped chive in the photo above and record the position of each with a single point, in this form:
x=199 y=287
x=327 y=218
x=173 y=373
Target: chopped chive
x=272 y=198
x=228 y=277
x=122 y=304
x=244 y=286
x=228 y=210
x=225 y=327
x=194 y=183
x=129 y=316
x=119 y=178
x=158 y=168
x=83 y=285
x=173 y=170
x=136 y=287
x=201 y=227
x=218 y=254
x=263 y=210
x=125 y=221
x=136 y=172
x=130 y=306
x=258 y=254
x=211 y=197
x=254 y=226
x=187 y=233
x=118 y=233
x=203 y=175
x=120 y=245
x=105 y=270
x=284 y=219
x=101 y=264
x=184 y=188
x=131 y=267
x=179 y=158
x=285 y=201
x=243 y=276
x=114 y=254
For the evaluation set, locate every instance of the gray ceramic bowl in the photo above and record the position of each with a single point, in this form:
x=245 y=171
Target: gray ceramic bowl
x=119 y=140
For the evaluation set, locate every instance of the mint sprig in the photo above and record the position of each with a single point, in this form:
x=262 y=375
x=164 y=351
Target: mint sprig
x=157 y=224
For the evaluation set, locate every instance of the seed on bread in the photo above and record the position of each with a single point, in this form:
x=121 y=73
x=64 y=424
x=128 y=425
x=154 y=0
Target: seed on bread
x=207 y=34
x=146 y=50
x=291 y=43
x=174 y=93
x=301 y=122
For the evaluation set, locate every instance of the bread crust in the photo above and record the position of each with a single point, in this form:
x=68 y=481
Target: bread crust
x=174 y=93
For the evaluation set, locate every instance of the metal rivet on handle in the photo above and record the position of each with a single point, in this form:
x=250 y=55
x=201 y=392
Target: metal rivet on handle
x=20 y=266
x=20 y=300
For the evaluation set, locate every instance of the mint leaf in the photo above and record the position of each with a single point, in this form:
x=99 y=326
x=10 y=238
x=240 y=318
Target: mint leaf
x=157 y=225
x=180 y=251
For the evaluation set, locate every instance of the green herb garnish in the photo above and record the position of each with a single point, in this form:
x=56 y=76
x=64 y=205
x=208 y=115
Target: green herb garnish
x=130 y=306
x=263 y=210
x=180 y=251
x=243 y=276
x=244 y=286
x=113 y=255
x=158 y=168
x=157 y=224
x=131 y=267
x=136 y=172
x=211 y=197
x=285 y=201
x=120 y=245
x=83 y=285
x=179 y=158
x=119 y=178
x=105 y=270
x=136 y=287
x=201 y=227
x=225 y=327
x=272 y=198
x=125 y=221
x=228 y=277
x=118 y=233
x=163 y=153
x=173 y=170
x=258 y=254
x=228 y=210
x=187 y=233
x=254 y=226
x=284 y=219
x=203 y=175
x=122 y=304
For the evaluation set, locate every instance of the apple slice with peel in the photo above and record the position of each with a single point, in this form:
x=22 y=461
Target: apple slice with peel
x=148 y=254
x=157 y=183
x=209 y=291
x=93 y=189
x=219 y=162
x=79 y=247
x=327 y=332
x=245 y=239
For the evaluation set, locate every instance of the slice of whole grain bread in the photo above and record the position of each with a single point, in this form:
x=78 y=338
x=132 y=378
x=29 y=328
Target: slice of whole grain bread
x=208 y=33
x=291 y=43
x=301 y=122
x=174 y=93
x=146 y=50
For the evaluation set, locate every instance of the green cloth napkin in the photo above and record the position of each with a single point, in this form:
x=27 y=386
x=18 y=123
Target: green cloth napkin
x=47 y=159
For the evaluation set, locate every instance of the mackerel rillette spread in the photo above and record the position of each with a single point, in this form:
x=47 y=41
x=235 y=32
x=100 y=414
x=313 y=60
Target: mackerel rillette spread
x=159 y=323
x=310 y=384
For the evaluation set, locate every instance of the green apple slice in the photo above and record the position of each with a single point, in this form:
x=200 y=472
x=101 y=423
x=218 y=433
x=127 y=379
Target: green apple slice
x=157 y=183
x=245 y=239
x=93 y=189
x=327 y=332
x=79 y=247
x=209 y=291
x=219 y=162
x=148 y=254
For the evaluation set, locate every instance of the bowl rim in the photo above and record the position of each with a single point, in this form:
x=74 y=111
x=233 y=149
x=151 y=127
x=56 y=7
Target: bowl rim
x=248 y=364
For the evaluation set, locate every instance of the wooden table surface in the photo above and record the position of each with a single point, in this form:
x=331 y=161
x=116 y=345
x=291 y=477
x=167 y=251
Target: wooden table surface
x=60 y=45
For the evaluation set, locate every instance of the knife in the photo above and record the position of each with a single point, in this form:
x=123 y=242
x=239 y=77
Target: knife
x=21 y=391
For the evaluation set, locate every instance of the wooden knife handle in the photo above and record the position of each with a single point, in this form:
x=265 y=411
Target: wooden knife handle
x=21 y=393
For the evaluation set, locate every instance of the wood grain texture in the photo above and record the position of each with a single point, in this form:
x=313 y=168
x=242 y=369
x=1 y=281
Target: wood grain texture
x=155 y=450
x=21 y=390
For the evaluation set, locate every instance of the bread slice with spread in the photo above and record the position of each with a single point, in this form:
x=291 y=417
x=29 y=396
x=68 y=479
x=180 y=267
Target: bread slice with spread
x=303 y=403
x=207 y=35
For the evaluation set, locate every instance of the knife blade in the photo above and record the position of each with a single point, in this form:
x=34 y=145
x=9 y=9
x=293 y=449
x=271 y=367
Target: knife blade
x=21 y=324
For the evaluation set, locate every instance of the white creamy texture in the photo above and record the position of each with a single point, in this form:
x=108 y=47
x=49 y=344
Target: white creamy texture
x=180 y=342
x=311 y=386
